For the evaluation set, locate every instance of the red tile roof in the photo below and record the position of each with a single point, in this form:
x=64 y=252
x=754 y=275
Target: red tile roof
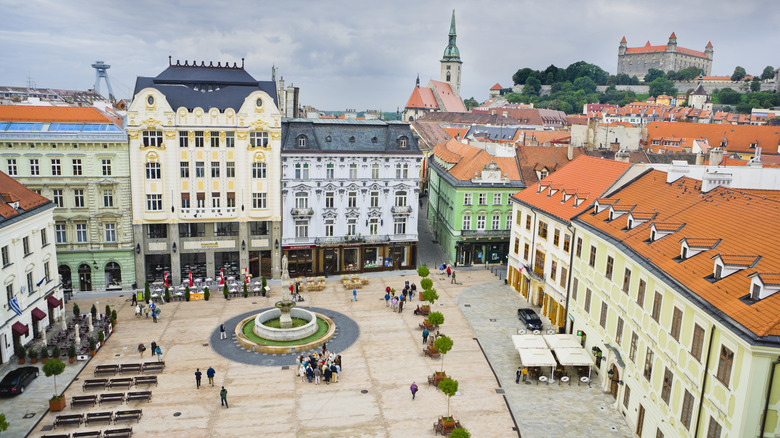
x=469 y=160
x=452 y=103
x=422 y=98
x=12 y=191
x=718 y=213
x=738 y=137
x=56 y=114
x=647 y=48
x=533 y=158
x=583 y=175
x=497 y=87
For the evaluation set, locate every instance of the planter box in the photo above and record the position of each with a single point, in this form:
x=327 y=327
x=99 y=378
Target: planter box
x=57 y=405
x=438 y=377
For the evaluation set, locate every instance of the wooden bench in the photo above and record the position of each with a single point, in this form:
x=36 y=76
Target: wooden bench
x=134 y=414
x=432 y=352
x=61 y=435
x=153 y=367
x=112 y=397
x=118 y=433
x=139 y=396
x=123 y=382
x=92 y=417
x=78 y=400
x=106 y=369
x=91 y=434
x=445 y=429
x=94 y=383
x=127 y=368
x=76 y=419
x=146 y=380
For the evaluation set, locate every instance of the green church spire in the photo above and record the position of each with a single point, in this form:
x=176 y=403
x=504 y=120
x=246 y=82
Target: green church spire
x=451 y=53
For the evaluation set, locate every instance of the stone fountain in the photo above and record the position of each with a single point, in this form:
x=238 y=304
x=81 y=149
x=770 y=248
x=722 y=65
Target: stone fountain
x=286 y=304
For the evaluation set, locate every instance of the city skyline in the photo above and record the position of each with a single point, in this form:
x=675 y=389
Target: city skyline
x=366 y=57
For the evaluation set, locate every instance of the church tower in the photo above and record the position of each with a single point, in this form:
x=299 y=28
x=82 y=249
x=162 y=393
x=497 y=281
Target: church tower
x=450 y=62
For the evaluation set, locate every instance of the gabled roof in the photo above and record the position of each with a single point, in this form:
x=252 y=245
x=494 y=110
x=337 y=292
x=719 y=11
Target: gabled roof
x=467 y=118
x=582 y=175
x=448 y=99
x=533 y=158
x=430 y=134
x=470 y=160
x=11 y=191
x=422 y=97
x=497 y=87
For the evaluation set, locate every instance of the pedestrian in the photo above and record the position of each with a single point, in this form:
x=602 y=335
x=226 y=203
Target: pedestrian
x=154 y=315
x=417 y=310
x=134 y=300
x=141 y=349
x=413 y=388
x=525 y=373
x=401 y=306
x=518 y=373
x=327 y=374
x=137 y=311
x=154 y=348
x=159 y=354
x=449 y=271
x=388 y=289
x=222 y=334
x=412 y=291
x=309 y=372
x=334 y=373
x=223 y=396
x=210 y=374
x=453 y=278
x=425 y=335
x=387 y=299
x=198 y=374
x=354 y=294
x=317 y=375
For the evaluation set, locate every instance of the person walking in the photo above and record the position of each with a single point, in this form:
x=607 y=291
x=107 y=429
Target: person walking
x=518 y=373
x=453 y=278
x=387 y=299
x=449 y=271
x=309 y=372
x=134 y=300
x=222 y=334
x=141 y=349
x=425 y=335
x=413 y=388
x=154 y=348
x=137 y=311
x=198 y=375
x=223 y=396
x=159 y=354
x=210 y=374
x=401 y=306
x=354 y=294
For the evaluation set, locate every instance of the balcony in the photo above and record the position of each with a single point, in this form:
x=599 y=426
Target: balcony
x=207 y=213
x=301 y=212
x=406 y=209
x=335 y=240
x=480 y=234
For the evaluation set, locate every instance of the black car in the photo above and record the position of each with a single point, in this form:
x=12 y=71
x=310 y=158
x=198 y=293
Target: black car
x=15 y=381
x=530 y=318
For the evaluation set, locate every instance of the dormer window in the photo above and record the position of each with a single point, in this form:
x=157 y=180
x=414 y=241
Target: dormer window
x=661 y=229
x=300 y=141
x=763 y=284
x=727 y=264
x=352 y=139
x=543 y=174
x=684 y=253
x=328 y=139
x=652 y=235
x=756 y=293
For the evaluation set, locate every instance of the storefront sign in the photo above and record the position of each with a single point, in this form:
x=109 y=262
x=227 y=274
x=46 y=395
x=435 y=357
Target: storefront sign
x=209 y=244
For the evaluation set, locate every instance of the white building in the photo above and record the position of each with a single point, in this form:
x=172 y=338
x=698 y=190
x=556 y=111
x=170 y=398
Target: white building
x=204 y=162
x=350 y=195
x=33 y=298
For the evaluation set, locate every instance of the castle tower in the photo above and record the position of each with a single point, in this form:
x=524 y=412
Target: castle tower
x=450 y=62
x=623 y=46
x=708 y=50
x=671 y=46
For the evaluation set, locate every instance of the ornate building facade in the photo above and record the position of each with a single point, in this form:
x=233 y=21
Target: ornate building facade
x=204 y=153
x=638 y=60
x=350 y=195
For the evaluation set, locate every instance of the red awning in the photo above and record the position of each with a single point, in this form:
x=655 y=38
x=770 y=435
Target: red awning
x=53 y=302
x=38 y=314
x=19 y=329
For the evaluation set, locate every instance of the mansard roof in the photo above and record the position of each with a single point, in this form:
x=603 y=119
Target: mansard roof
x=348 y=136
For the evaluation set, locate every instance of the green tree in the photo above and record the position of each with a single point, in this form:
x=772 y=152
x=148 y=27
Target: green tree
x=444 y=345
x=187 y=293
x=460 y=433
x=689 y=73
x=436 y=318
x=522 y=75
x=662 y=86
x=671 y=75
x=585 y=84
x=653 y=74
x=76 y=310
x=532 y=86
x=634 y=80
x=167 y=295
x=423 y=271
x=727 y=96
x=623 y=79
x=93 y=311
x=470 y=103
x=147 y=293
x=430 y=296
x=3 y=423
x=206 y=294
x=246 y=291
x=225 y=291
x=755 y=84
x=739 y=73
x=450 y=388
x=426 y=283
x=54 y=367
x=768 y=73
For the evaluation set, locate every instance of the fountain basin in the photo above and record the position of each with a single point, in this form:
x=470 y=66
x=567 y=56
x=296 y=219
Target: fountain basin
x=286 y=347
x=285 y=334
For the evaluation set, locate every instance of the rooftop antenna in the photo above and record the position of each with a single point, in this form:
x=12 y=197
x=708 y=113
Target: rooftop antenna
x=30 y=83
x=100 y=72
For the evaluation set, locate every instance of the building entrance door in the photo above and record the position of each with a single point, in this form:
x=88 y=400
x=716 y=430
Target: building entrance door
x=331 y=262
x=615 y=379
x=265 y=264
x=85 y=278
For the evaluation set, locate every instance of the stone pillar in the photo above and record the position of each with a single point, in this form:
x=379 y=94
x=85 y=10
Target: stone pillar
x=276 y=253
x=173 y=237
x=139 y=251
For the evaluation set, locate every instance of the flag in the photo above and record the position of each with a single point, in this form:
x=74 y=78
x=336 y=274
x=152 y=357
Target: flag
x=41 y=282
x=190 y=278
x=246 y=275
x=14 y=305
x=166 y=279
x=221 y=277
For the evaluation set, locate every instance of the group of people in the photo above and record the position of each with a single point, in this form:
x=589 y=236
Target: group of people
x=146 y=310
x=156 y=350
x=325 y=366
x=396 y=303
x=210 y=373
x=450 y=272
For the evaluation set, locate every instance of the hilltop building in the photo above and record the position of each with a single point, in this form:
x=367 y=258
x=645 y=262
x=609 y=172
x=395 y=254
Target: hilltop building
x=638 y=60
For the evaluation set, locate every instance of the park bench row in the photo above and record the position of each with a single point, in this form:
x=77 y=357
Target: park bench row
x=77 y=419
x=124 y=382
x=128 y=368
x=111 y=433
x=121 y=397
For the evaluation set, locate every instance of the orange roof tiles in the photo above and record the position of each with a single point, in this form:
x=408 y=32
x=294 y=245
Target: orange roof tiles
x=738 y=260
x=12 y=191
x=719 y=213
x=452 y=103
x=695 y=242
x=55 y=114
x=422 y=98
x=583 y=174
x=668 y=226
x=497 y=87
x=469 y=160
x=738 y=137
x=769 y=279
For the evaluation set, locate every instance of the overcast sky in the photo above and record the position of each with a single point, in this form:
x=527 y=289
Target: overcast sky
x=365 y=55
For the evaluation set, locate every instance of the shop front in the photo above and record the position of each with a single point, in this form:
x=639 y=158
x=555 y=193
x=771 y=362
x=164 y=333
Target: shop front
x=350 y=258
x=478 y=253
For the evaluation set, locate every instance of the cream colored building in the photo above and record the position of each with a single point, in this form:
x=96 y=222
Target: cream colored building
x=204 y=154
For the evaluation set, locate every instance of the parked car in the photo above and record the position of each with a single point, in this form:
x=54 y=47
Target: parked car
x=16 y=380
x=530 y=319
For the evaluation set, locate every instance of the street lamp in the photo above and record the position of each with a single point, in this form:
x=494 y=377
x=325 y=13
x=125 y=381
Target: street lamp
x=611 y=375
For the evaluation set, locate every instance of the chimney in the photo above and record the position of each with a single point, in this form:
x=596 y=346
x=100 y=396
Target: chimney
x=570 y=151
x=622 y=156
x=699 y=159
x=716 y=156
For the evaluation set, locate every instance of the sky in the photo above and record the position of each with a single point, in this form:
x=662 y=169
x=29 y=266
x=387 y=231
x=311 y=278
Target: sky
x=365 y=55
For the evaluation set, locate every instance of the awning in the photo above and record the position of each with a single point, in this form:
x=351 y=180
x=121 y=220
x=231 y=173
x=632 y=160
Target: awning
x=537 y=357
x=19 y=329
x=53 y=301
x=562 y=341
x=38 y=314
x=573 y=357
x=528 y=341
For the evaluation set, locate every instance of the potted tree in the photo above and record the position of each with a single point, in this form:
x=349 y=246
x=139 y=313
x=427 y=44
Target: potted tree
x=430 y=296
x=76 y=310
x=167 y=295
x=72 y=353
x=225 y=291
x=56 y=352
x=3 y=424
x=101 y=337
x=33 y=355
x=435 y=319
x=20 y=353
x=108 y=311
x=113 y=317
x=55 y=367
x=187 y=293
x=147 y=293
x=443 y=344
x=206 y=293
x=263 y=284
x=44 y=354
x=449 y=387
x=246 y=291
x=425 y=282
x=93 y=311
x=92 y=346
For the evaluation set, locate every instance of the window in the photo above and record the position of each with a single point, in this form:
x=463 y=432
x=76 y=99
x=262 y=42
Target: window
x=656 y=314
x=564 y=274
x=566 y=243
x=353 y=171
x=259 y=200
x=44 y=237
x=603 y=316
x=508 y=221
x=11 y=167
x=184 y=169
x=481 y=222
x=483 y=199
x=301 y=142
x=46 y=271
x=579 y=247
x=556 y=237
x=9 y=291
x=666 y=389
x=184 y=140
x=634 y=346
x=626 y=396
x=153 y=138
x=199 y=139
x=200 y=169
x=215 y=199
x=301 y=200
x=649 y=355
x=26 y=245
x=374 y=171
x=588 y=295
x=352 y=199
x=619 y=331
x=714 y=430
x=200 y=199
x=496 y=225
x=301 y=170
x=30 y=283
x=81 y=233
x=110 y=232
x=517 y=246
x=35 y=168
x=592 y=261
x=724 y=365
x=185 y=200
x=402 y=170
x=56 y=168
x=108 y=198
x=157 y=231
x=214 y=139
x=78 y=198
x=697 y=342
x=400 y=225
x=466 y=222
x=351 y=226
x=375 y=199
x=373 y=226
x=6 y=256
x=542 y=231
x=329 y=200
x=60 y=236
x=640 y=294
x=467 y=199
x=329 y=171
x=329 y=224
x=496 y=198
x=528 y=222
x=526 y=251
x=153 y=171
x=687 y=409
x=106 y=166
x=231 y=199
x=259 y=171
x=230 y=169
x=215 y=169
x=402 y=142
x=154 y=202
x=575 y=285
x=77 y=169
x=676 y=322
x=302 y=228
x=610 y=265
x=400 y=199
x=626 y=280
x=230 y=139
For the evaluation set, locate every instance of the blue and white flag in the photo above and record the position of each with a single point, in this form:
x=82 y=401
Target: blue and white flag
x=41 y=282
x=14 y=305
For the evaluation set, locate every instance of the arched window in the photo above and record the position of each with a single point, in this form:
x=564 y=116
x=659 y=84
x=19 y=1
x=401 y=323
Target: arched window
x=65 y=277
x=301 y=142
x=85 y=278
x=402 y=141
x=448 y=76
x=113 y=274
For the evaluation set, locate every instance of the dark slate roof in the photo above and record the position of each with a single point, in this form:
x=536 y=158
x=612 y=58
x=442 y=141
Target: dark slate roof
x=492 y=132
x=370 y=136
x=205 y=87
